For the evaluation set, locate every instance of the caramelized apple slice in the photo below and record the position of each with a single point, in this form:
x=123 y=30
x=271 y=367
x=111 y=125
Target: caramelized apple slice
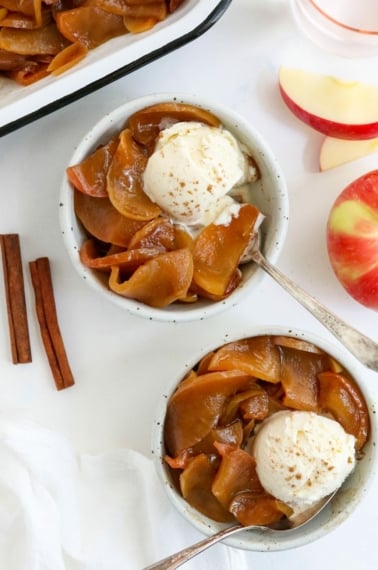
x=158 y=234
x=192 y=375
x=194 y=409
x=146 y=124
x=17 y=20
x=41 y=41
x=138 y=25
x=89 y=176
x=258 y=409
x=297 y=343
x=89 y=25
x=234 y=282
x=203 y=365
x=183 y=239
x=125 y=181
x=153 y=9
x=236 y=474
x=340 y=396
x=218 y=250
x=253 y=509
x=27 y=7
x=67 y=58
x=103 y=221
x=231 y=434
x=159 y=282
x=257 y=356
x=128 y=260
x=196 y=481
x=238 y=489
x=11 y=61
x=299 y=377
x=31 y=73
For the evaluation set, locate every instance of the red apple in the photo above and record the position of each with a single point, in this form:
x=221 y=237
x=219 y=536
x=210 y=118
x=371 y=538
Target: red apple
x=338 y=108
x=352 y=239
x=335 y=152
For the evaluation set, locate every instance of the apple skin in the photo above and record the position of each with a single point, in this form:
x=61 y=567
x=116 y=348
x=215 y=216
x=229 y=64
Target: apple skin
x=335 y=152
x=352 y=239
x=336 y=108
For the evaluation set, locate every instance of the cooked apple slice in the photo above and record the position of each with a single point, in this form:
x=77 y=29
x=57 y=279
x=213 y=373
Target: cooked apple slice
x=219 y=248
x=250 y=509
x=138 y=25
x=340 y=396
x=89 y=176
x=252 y=403
x=236 y=474
x=125 y=181
x=128 y=260
x=195 y=408
x=203 y=365
x=297 y=343
x=89 y=25
x=196 y=481
x=103 y=221
x=257 y=356
x=335 y=152
x=159 y=282
x=333 y=106
x=146 y=124
x=299 y=377
x=158 y=233
x=231 y=434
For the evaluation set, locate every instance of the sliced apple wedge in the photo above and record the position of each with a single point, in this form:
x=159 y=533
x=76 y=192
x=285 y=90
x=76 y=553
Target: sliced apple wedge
x=335 y=152
x=335 y=107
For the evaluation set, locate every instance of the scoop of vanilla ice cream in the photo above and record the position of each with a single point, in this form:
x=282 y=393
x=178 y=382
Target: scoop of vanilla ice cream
x=301 y=457
x=192 y=169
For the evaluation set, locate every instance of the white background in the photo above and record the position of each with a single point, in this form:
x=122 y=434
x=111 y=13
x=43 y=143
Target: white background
x=122 y=364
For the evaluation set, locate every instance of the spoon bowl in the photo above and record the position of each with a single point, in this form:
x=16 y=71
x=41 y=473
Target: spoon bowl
x=179 y=558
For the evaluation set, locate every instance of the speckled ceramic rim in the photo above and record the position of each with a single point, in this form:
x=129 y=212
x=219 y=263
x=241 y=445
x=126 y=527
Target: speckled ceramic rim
x=344 y=503
x=273 y=196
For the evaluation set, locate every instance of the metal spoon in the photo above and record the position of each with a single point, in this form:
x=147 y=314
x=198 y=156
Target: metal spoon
x=179 y=558
x=362 y=347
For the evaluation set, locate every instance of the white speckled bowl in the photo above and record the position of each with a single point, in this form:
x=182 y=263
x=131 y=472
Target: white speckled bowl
x=270 y=196
x=343 y=504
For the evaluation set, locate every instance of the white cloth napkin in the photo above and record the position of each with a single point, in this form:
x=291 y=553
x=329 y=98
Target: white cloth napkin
x=93 y=512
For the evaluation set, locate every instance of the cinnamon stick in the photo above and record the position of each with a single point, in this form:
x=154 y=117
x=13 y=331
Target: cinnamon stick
x=48 y=323
x=15 y=298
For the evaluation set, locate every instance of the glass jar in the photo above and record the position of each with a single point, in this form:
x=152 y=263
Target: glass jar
x=344 y=27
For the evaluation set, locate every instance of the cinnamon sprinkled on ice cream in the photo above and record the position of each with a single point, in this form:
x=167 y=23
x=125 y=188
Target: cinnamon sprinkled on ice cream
x=301 y=457
x=192 y=169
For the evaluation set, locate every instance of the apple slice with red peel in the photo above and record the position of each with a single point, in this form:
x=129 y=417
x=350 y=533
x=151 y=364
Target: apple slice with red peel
x=335 y=152
x=352 y=239
x=333 y=106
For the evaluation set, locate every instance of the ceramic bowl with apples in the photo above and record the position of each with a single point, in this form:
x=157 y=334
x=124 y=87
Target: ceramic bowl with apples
x=235 y=434
x=162 y=198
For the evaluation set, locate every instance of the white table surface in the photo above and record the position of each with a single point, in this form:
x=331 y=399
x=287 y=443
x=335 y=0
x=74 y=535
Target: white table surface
x=122 y=363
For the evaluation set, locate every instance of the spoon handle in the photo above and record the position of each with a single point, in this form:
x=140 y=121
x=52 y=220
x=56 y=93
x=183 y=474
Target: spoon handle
x=179 y=558
x=362 y=347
